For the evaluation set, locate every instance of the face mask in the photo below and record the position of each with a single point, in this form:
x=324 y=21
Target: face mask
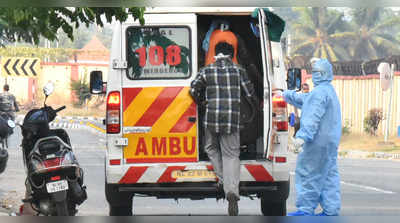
x=316 y=75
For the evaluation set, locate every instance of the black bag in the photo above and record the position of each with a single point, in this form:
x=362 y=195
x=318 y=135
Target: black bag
x=3 y=160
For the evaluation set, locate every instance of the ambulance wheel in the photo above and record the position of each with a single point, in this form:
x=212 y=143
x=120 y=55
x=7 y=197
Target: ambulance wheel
x=273 y=208
x=120 y=203
x=121 y=210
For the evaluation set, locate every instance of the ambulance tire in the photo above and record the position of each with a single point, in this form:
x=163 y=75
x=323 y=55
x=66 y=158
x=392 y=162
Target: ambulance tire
x=273 y=208
x=121 y=211
x=120 y=203
x=273 y=203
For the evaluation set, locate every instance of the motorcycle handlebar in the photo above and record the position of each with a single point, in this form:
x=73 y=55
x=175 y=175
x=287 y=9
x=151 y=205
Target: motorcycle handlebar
x=60 y=108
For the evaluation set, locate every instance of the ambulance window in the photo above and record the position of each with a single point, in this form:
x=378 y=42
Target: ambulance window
x=158 y=52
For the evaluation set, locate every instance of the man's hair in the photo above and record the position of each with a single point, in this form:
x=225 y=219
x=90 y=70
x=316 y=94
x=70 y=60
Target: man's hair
x=6 y=87
x=224 y=48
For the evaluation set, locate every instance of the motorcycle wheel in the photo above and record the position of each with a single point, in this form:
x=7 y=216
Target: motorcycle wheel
x=62 y=208
x=3 y=159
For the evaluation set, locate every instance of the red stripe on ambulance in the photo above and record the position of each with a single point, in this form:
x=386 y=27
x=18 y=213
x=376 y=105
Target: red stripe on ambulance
x=133 y=174
x=259 y=173
x=183 y=124
x=157 y=108
x=128 y=95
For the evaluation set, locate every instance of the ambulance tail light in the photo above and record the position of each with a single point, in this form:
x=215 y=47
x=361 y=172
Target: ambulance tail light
x=115 y=162
x=113 y=121
x=279 y=117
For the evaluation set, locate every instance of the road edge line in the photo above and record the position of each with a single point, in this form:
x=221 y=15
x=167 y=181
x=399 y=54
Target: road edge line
x=95 y=127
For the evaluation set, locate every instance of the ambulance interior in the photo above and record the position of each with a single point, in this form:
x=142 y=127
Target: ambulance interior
x=249 y=57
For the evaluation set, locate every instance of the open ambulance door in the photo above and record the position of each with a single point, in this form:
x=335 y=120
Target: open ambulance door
x=268 y=75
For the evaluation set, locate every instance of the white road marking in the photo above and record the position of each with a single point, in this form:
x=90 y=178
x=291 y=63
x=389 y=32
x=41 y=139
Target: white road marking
x=362 y=186
x=368 y=188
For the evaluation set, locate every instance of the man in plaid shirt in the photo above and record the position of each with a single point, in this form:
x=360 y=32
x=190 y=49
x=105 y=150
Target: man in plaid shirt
x=217 y=87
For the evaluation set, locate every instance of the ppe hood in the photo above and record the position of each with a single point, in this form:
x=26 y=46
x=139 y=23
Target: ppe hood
x=321 y=71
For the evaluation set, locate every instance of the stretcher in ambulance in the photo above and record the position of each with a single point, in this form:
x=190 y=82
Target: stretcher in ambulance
x=154 y=128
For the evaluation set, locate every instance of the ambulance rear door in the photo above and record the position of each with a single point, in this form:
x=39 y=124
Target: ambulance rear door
x=159 y=116
x=268 y=75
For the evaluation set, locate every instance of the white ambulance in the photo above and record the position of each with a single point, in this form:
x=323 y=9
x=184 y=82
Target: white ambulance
x=154 y=128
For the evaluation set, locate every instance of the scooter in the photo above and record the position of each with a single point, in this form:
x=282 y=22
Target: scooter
x=54 y=178
x=6 y=129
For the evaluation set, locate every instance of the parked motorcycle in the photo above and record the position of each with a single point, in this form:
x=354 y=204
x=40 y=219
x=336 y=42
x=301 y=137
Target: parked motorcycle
x=6 y=129
x=54 y=178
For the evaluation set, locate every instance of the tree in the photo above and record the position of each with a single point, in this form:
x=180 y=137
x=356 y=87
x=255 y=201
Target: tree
x=321 y=32
x=83 y=35
x=29 y=24
x=372 y=120
x=81 y=90
x=288 y=14
x=374 y=35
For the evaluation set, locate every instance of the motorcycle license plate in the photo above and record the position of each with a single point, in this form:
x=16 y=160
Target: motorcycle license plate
x=57 y=186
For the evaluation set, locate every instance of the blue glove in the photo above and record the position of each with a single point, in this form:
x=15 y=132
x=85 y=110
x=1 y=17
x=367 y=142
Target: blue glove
x=292 y=119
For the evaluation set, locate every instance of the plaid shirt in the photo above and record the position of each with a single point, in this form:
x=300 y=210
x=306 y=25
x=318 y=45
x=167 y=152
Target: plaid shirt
x=220 y=84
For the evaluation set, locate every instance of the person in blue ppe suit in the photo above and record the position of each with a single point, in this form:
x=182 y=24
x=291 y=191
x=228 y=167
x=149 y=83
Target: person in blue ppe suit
x=317 y=178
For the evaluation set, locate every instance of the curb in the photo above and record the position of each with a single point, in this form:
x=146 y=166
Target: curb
x=387 y=155
x=5 y=212
x=73 y=121
x=69 y=117
x=367 y=155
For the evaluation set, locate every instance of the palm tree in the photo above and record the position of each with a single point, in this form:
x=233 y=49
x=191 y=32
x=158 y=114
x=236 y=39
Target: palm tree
x=320 y=32
x=374 y=35
x=288 y=14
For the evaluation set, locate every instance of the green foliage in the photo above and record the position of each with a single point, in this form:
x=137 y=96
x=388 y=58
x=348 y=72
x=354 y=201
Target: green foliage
x=372 y=120
x=374 y=33
x=363 y=34
x=83 y=35
x=320 y=33
x=28 y=24
x=82 y=90
x=289 y=15
x=346 y=127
